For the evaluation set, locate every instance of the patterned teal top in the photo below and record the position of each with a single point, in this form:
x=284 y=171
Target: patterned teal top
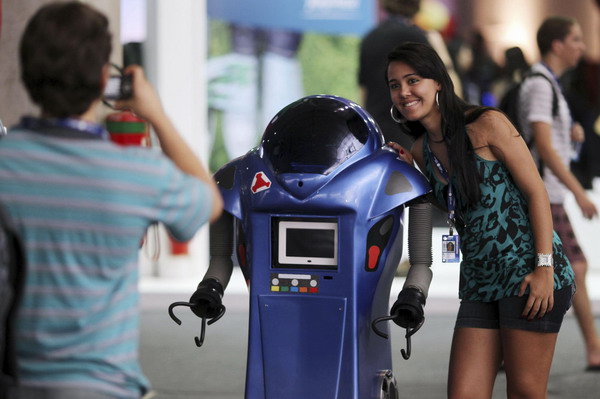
x=496 y=237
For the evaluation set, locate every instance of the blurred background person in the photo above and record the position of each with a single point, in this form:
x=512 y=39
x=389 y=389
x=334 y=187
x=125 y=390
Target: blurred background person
x=561 y=45
x=249 y=85
x=482 y=74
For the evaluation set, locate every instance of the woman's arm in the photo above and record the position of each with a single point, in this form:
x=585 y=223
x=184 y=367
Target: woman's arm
x=505 y=144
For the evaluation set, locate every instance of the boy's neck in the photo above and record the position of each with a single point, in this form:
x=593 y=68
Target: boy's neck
x=91 y=115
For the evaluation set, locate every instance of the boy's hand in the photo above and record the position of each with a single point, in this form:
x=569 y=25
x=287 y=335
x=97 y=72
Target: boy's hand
x=144 y=101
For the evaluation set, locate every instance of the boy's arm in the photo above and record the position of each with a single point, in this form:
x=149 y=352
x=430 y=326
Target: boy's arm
x=146 y=104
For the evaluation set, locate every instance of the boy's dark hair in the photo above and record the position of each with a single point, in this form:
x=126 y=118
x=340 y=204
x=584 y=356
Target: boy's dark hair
x=62 y=53
x=553 y=28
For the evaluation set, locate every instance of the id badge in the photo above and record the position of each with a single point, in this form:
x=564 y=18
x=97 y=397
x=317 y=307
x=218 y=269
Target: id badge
x=450 y=248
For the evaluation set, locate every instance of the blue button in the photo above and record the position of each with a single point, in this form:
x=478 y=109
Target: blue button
x=294 y=289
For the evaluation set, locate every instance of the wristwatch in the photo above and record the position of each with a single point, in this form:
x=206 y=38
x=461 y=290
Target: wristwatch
x=545 y=260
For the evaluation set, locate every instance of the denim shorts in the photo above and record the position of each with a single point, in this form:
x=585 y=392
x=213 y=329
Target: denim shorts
x=506 y=313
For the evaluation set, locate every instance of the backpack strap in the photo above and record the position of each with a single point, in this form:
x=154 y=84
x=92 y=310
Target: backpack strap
x=554 y=111
x=554 y=95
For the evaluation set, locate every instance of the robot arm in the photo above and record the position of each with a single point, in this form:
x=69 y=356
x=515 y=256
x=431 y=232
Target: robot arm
x=407 y=311
x=408 y=308
x=206 y=301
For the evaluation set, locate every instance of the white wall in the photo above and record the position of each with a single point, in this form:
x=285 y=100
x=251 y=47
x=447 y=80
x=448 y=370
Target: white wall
x=175 y=54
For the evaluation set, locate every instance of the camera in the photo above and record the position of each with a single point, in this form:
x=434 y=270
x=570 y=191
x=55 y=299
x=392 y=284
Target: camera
x=118 y=87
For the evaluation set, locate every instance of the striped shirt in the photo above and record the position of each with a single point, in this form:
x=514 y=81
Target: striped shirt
x=535 y=103
x=82 y=205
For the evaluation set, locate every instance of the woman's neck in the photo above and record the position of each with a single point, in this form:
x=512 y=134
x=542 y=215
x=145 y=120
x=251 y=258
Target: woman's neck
x=435 y=138
x=435 y=135
x=433 y=126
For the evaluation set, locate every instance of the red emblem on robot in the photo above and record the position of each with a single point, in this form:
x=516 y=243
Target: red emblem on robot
x=260 y=183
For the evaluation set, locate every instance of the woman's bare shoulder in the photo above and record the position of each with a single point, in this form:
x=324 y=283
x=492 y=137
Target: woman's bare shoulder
x=492 y=124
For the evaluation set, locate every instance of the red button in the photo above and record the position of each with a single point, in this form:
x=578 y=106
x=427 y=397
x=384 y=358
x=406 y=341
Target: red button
x=314 y=289
x=374 y=253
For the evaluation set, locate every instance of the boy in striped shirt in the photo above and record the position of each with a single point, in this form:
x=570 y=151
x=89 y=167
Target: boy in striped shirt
x=82 y=204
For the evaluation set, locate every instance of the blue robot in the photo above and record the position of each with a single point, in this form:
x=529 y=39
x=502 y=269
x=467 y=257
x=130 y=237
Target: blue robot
x=315 y=214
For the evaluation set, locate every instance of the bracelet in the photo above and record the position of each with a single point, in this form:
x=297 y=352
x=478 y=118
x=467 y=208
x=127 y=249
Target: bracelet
x=545 y=260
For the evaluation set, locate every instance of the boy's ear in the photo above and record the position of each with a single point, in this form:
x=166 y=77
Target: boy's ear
x=557 y=45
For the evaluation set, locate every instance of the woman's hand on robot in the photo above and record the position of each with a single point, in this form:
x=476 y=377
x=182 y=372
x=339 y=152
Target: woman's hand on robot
x=403 y=153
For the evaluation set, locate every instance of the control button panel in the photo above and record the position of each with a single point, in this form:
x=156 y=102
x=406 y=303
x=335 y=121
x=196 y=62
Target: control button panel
x=295 y=283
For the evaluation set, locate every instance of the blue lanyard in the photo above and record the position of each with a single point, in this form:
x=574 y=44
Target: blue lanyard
x=93 y=129
x=451 y=201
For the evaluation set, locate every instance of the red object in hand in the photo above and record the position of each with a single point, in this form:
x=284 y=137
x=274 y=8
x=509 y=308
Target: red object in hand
x=125 y=128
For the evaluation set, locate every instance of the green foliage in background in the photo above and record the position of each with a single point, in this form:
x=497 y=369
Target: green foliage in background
x=329 y=66
x=219 y=42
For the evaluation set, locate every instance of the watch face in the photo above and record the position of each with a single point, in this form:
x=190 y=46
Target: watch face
x=545 y=259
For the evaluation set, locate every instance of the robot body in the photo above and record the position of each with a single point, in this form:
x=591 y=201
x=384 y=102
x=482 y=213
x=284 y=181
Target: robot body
x=322 y=240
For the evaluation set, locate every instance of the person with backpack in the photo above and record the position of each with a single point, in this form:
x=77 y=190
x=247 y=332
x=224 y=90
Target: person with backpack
x=81 y=204
x=545 y=121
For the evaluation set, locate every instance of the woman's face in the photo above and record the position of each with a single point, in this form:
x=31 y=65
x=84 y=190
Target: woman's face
x=412 y=95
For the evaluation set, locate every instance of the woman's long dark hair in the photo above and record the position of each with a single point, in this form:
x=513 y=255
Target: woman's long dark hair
x=426 y=62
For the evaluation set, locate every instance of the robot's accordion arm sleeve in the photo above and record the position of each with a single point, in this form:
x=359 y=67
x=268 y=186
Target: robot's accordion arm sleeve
x=220 y=266
x=206 y=301
x=419 y=246
x=408 y=310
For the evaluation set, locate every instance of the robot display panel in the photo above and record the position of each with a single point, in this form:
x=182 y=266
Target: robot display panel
x=305 y=244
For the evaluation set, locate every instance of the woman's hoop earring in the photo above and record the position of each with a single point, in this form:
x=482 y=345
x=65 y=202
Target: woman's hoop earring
x=437 y=98
x=395 y=118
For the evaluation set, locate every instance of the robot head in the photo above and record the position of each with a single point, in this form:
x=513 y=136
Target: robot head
x=316 y=134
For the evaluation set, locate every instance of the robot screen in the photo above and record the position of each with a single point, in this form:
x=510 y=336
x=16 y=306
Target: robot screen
x=305 y=244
